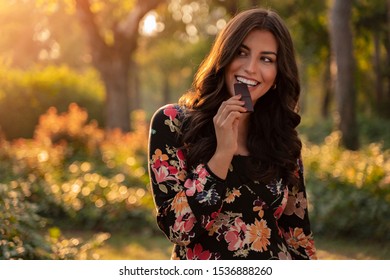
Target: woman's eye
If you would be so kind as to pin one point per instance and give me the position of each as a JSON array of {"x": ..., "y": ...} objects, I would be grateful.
[
  {"x": 266, "y": 59},
  {"x": 241, "y": 53}
]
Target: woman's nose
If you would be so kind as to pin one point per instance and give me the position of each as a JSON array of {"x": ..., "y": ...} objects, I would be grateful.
[{"x": 250, "y": 65}]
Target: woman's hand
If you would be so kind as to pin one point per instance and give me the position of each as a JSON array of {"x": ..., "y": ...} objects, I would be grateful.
[{"x": 226, "y": 129}]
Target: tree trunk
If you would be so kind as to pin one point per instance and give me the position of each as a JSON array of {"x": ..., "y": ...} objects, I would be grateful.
[
  {"x": 378, "y": 73},
  {"x": 329, "y": 87},
  {"x": 386, "y": 103},
  {"x": 134, "y": 87},
  {"x": 113, "y": 60},
  {"x": 342, "y": 46},
  {"x": 114, "y": 74}
]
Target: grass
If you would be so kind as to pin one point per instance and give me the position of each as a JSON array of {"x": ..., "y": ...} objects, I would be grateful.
[
  {"x": 342, "y": 249},
  {"x": 146, "y": 246}
]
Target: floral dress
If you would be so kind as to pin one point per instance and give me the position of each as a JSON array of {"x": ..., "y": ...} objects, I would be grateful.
[{"x": 209, "y": 218}]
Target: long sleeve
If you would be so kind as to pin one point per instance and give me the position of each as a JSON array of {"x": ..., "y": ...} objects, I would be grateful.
[
  {"x": 294, "y": 221},
  {"x": 187, "y": 201}
]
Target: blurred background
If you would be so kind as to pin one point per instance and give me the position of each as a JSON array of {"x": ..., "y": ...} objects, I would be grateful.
[{"x": 80, "y": 80}]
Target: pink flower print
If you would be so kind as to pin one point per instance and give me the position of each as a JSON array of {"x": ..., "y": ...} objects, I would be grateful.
[
  {"x": 196, "y": 184},
  {"x": 197, "y": 253},
  {"x": 184, "y": 223},
  {"x": 236, "y": 236},
  {"x": 296, "y": 204},
  {"x": 283, "y": 254},
  {"x": 161, "y": 174}
]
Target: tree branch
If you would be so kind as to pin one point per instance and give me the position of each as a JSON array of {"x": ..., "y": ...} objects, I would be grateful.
[{"x": 129, "y": 26}]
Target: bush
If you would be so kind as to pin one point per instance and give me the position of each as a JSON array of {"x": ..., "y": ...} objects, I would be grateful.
[
  {"x": 22, "y": 231},
  {"x": 81, "y": 176},
  {"x": 25, "y": 95},
  {"x": 371, "y": 130},
  {"x": 349, "y": 191}
]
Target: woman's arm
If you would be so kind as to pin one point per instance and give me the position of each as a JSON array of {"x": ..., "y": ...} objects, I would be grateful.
[
  {"x": 294, "y": 222},
  {"x": 187, "y": 201}
]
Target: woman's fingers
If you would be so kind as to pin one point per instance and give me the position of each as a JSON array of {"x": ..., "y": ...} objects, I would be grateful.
[
  {"x": 226, "y": 124},
  {"x": 234, "y": 104}
]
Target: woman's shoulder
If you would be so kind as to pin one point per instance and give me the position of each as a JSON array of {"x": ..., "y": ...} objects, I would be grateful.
[
  {"x": 170, "y": 111},
  {"x": 169, "y": 116}
]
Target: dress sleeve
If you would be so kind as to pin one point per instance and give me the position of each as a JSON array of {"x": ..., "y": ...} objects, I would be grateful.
[
  {"x": 294, "y": 222},
  {"x": 187, "y": 202}
]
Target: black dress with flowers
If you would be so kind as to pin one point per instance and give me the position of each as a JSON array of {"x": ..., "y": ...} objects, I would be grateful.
[{"x": 209, "y": 218}]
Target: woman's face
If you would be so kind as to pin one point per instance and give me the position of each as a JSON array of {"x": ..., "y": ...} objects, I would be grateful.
[{"x": 254, "y": 64}]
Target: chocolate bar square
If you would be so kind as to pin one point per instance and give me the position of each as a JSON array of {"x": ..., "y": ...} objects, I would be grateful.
[{"x": 240, "y": 88}]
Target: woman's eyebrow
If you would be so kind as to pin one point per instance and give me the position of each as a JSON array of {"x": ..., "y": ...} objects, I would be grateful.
[
  {"x": 269, "y": 52},
  {"x": 264, "y": 52}
]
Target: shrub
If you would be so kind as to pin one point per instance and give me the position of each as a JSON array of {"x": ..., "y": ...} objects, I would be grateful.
[
  {"x": 81, "y": 176},
  {"x": 349, "y": 191},
  {"x": 22, "y": 231},
  {"x": 25, "y": 95}
]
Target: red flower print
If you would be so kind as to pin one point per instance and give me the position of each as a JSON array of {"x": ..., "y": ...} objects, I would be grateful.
[
  {"x": 311, "y": 249},
  {"x": 197, "y": 253},
  {"x": 279, "y": 211},
  {"x": 171, "y": 112}
]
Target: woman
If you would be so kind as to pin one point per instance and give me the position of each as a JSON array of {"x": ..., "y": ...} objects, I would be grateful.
[{"x": 228, "y": 184}]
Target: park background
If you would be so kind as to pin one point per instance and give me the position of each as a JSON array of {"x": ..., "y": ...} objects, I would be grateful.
[{"x": 80, "y": 80}]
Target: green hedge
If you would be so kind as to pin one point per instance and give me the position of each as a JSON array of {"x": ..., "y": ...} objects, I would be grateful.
[{"x": 26, "y": 95}]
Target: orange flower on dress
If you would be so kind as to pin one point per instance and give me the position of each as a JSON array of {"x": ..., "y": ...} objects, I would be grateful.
[
  {"x": 259, "y": 234},
  {"x": 311, "y": 249},
  {"x": 297, "y": 238},
  {"x": 231, "y": 195},
  {"x": 180, "y": 204},
  {"x": 158, "y": 155}
]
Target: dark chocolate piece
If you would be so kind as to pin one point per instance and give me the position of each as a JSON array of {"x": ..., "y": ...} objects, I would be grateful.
[{"x": 240, "y": 88}]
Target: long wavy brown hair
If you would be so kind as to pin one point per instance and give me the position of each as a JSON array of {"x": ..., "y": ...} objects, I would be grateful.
[{"x": 273, "y": 141}]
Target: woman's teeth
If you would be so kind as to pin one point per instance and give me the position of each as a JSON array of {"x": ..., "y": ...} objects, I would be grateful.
[{"x": 250, "y": 83}]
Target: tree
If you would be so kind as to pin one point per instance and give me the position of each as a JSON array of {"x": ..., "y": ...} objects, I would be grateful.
[
  {"x": 342, "y": 47},
  {"x": 372, "y": 24},
  {"x": 112, "y": 56}
]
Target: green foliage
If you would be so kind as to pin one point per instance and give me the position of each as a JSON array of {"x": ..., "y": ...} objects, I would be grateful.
[
  {"x": 23, "y": 234},
  {"x": 371, "y": 130},
  {"x": 374, "y": 130},
  {"x": 349, "y": 191},
  {"x": 25, "y": 95},
  {"x": 82, "y": 176}
]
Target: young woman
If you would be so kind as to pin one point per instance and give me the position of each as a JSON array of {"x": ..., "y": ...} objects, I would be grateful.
[{"x": 228, "y": 183}]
